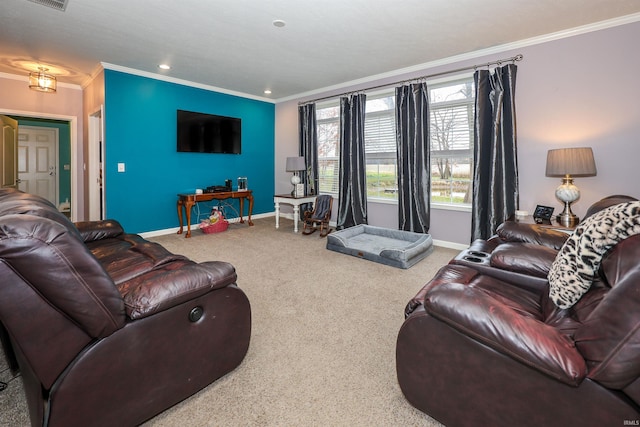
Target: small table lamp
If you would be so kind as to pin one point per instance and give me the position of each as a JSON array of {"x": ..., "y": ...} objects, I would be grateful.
[
  {"x": 295, "y": 165},
  {"x": 568, "y": 163}
]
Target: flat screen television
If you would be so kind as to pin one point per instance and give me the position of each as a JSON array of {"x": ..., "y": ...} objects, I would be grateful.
[{"x": 208, "y": 133}]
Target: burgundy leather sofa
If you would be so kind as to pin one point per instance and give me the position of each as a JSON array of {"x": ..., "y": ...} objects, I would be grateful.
[
  {"x": 482, "y": 345},
  {"x": 107, "y": 328}
]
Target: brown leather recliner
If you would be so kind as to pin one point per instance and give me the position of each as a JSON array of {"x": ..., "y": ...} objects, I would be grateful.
[
  {"x": 476, "y": 349},
  {"x": 527, "y": 250},
  {"x": 108, "y": 328}
]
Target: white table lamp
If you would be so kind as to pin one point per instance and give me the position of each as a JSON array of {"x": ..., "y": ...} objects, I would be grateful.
[
  {"x": 568, "y": 163},
  {"x": 295, "y": 165}
]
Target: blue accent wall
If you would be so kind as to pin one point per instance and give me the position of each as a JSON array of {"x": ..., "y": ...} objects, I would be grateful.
[{"x": 140, "y": 131}]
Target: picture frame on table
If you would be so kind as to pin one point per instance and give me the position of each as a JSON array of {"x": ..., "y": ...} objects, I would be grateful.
[{"x": 543, "y": 214}]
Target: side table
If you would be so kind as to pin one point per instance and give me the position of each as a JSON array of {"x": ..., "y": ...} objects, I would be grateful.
[
  {"x": 551, "y": 224},
  {"x": 295, "y": 202}
]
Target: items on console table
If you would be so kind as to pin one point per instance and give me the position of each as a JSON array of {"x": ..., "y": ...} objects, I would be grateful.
[
  {"x": 188, "y": 200},
  {"x": 295, "y": 202},
  {"x": 551, "y": 223}
]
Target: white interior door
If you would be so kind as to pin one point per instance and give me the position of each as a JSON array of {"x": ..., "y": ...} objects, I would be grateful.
[{"x": 37, "y": 162}]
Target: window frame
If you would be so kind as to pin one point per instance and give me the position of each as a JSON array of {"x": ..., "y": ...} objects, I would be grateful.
[
  {"x": 332, "y": 103},
  {"x": 372, "y": 96},
  {"x": 432, "y": 84},
  {"x": 446, "y": 81}
]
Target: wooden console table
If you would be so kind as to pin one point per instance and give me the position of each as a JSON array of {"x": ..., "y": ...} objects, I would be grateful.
[{"x": 188, "y": 200}]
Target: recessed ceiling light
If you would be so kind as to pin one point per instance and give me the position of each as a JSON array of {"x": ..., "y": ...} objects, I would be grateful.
[
  {"x": 267, "y": 92},
  {"x": 279, "y": 23},
  {"x": 164, "y": 66}
]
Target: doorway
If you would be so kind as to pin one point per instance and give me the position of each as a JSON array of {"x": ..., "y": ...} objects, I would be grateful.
[
  {"x": 69, "y": 143},
  {"x": 95, "y": 166},
  {"x": 38, "y": 149}
]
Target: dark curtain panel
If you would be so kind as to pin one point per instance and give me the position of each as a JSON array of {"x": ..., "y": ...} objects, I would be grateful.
[
  {"x": 309, "y": 147},
  {"x": 352, "y": 197},
  {"x": 412, "y": 137},
  {"x": 495, "y": 178}
]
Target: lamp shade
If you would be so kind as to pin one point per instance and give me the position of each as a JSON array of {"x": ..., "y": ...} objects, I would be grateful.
[
  {"x": 295, "y": 164},
  {"x": 571, "y": 161}
]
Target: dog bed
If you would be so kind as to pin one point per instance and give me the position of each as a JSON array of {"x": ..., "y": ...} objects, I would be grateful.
[{"x": 396, "y": 248}]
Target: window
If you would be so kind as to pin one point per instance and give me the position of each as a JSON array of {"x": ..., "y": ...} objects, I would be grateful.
[
  {"x": 451, "y": 122},
  {"x": 451, "y": 144},
  {"x": 380, "y": 147},
  {"x": 328, "y": 131}
]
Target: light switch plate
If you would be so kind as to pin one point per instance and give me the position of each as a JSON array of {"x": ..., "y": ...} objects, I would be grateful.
[{"x": 120, "y": 167}]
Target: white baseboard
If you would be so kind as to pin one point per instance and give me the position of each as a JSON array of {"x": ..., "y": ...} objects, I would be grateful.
[
  {"x": 450, "y": 245},
  {"x": 174, "y": 230},
  {"x": 441, "y": 243}
]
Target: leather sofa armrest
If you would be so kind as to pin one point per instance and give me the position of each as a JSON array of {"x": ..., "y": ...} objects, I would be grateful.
[
  {"x": 487, "y": 319},
  {"x": 526, "y": 258},
  {"x": 98, "y": 230},
  {"x": 173, "y": 283},
  {"x": 446, "y": 274},
  {"x": 511, "y": 231}
]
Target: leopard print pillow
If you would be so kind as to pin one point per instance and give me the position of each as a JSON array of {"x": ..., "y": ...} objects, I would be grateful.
[{"x": 578, "y": 261}]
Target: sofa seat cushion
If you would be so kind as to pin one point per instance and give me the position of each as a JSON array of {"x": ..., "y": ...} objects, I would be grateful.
[
  {"x": 129, "y": 256},
  {"x": 149, "y": 277},
  {"x": 507, "y": 319}
]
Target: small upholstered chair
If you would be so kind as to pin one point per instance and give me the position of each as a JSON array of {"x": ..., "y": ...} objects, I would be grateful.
[{"x": 318, "y": 218}]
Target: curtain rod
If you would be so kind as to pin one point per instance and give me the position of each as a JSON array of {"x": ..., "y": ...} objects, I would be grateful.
[{"x": 513, "y": 59}]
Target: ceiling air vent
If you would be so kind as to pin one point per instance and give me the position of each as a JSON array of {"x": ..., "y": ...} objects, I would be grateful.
[{"x": 54, "y": 4}]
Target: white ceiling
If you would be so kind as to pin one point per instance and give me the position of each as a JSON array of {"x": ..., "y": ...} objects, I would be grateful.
[{"x": 233, "y": 44}]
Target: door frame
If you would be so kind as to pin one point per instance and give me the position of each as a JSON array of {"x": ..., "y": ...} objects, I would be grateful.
[
  {"x": 73, "y": 129},
  {"x": 95, "y": 167}
]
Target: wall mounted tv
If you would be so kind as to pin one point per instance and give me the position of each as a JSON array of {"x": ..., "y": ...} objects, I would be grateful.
[{"x": 207, "y": 133}]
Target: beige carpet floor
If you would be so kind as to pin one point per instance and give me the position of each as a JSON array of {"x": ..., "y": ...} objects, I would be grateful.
[{"x": 324, "y": 328}]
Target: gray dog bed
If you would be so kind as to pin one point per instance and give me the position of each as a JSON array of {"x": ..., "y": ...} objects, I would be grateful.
[{"x": 396, "y": 248}]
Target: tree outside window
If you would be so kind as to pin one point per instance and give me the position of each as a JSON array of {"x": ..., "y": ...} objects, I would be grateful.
[{"x": 451, "y": 144}]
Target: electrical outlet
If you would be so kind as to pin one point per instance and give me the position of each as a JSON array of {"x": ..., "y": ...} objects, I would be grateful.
[{"x": 120, "y": 167}]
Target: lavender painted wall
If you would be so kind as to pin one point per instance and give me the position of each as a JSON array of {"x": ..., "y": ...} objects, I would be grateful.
[
  {"x": 581, "y": 91},
  {"x": 66, "y": 104},
  {"x": 571, "y": 92}
]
